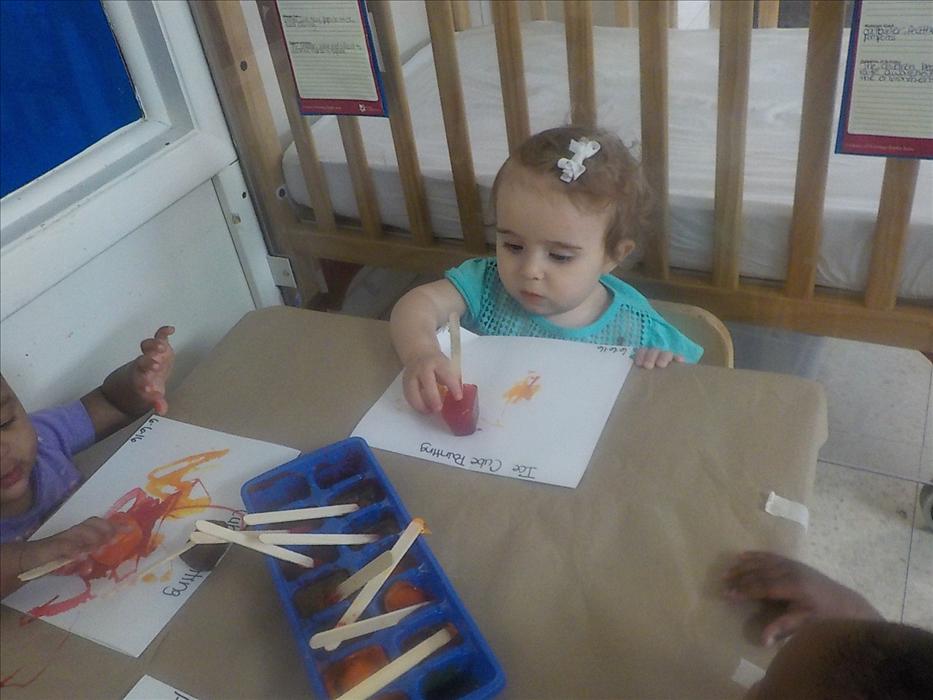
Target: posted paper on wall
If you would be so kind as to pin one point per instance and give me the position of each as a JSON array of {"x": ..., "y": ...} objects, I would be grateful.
[
  {"x": 887, "y": 100},
  {"x": 164, "y": 478},
  {"x": 543, "y": 405}
]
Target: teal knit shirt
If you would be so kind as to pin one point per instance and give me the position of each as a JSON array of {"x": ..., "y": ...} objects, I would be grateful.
[{"x": 629, "y": 320}]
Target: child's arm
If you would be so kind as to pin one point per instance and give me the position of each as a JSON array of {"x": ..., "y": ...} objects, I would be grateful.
[
  {"x": 806, "y": 594},
  {"x": 131, "y": 390},
  {"x": 415, "y": 320},
  {"x": 17, "y": 557}
]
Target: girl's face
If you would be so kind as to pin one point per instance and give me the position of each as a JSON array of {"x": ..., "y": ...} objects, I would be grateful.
[
  {"x": 18, "y": 448},
  {"x": 550, "y": 253}
]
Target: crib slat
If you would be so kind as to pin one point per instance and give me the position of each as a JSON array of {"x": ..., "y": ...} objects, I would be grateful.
[
  {"x": 735, "y": 40},
  {"x": 816, "y": 134},
  {"x": 441, "y": 27},
  {"x": 400, "y": 122},
  {"x": 360, "y": 176},
  {"x": 511, "y": 72},
  {"x": 891, "y": 228},
  {"x": 578, "y": 25},
  {"x": 715, "y": 13},
  {"x": 625, "y": 13},
  {"x": 538, "y": 9},
  {"x": 652, "y": 56},
  {"x": 461, "y": 9},
  {"x": 315, "y": 180},
  {"x": 768, "y": 11}
]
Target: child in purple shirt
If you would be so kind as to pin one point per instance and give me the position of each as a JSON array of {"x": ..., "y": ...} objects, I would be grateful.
[{"x": 37, "y": 473}]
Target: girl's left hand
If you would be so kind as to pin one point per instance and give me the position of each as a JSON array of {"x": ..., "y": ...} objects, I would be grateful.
[
  {"x": 151, "y": 370},
  {"x": 649, "y": 358}
]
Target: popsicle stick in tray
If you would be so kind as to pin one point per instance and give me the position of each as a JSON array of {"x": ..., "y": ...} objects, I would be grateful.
[
  {"x": 395, "y": 669},
  {"x": 313, "y": 538},
  {"x": 251, "y": 541},
  {"x": 384, "y": 561},
  {"x": 365, "y": 597},
  {"x": 287, "y": 516},
  {"x": 361, "y": 627}
]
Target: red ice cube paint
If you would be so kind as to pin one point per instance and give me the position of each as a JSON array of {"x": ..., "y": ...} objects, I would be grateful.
[{"x": 461, "y": 416}]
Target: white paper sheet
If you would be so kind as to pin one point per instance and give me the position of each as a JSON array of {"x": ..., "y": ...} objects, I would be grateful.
[
  {"x": 165, "y": 477},
  {"x": 148, "y": 688},
  {"x": 543, "y": 405}
]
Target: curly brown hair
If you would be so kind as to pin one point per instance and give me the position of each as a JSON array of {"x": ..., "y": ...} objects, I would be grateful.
[{"x": 613, "y": 178}]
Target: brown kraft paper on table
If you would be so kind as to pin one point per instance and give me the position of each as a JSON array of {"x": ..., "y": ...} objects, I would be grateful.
[{"x": 608, "y": 590}]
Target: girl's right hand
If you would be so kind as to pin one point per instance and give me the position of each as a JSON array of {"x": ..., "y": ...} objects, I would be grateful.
[{"x": 420, "y": 381}]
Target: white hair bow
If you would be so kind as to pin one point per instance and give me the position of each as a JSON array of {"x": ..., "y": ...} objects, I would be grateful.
[{"x": 573, "y": 167}]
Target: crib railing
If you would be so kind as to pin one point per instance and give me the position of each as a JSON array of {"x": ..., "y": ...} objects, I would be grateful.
[{"x": 874, "y": 315}]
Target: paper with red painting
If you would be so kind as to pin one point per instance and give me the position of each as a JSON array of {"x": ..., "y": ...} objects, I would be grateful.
[
  {"x": 167, "y": 476},
  {"x": 542, "y": 407}
]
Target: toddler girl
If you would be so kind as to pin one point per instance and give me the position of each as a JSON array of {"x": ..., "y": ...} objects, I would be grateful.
[
  {"x": 568, "y": 205},
  {"x": 36, "y": 469}
]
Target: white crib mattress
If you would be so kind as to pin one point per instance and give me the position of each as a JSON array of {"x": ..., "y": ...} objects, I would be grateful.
[{"x": 775, "y": 95}]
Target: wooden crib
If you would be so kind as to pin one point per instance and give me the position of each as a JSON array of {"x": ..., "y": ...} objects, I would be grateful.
[{"x": 874, "y": 314}]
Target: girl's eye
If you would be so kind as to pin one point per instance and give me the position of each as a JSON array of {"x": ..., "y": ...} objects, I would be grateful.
[
  {"x": 512, "y": 247},
  {"x": 6, "y": 424},
  {"x": 558, "y": 257}
]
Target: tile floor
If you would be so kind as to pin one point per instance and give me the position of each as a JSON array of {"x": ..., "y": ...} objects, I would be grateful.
[{"x": 866, "y": 526}]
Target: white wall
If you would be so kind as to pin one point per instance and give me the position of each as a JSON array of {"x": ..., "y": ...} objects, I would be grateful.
[
  {"x": 84, "y": 282},
  {"x": 179, "y": 268}
]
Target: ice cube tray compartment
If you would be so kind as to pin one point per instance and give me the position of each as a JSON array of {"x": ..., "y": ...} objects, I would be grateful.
[{"x": 348, "y": 472}]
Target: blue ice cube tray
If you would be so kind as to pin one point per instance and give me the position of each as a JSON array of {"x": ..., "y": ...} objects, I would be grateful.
[{"x": 348, "y": 472}]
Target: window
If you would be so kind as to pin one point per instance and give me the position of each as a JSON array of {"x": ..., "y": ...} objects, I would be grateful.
[{"x": 63, "y": 85}]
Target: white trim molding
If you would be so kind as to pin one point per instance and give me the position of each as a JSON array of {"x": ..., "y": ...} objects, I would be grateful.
[{"x": 54, "y": 225}]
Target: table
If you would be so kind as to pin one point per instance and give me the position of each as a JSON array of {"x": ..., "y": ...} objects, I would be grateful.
[{"x": 607, "y": 590}]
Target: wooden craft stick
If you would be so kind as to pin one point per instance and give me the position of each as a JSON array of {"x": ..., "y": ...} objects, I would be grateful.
[
  {"x": 314, "y": 538},
  {"x": 252, "y": 542},
  {"x": 165, "y": 560},
  {"x": 287, "y": 516},
  {"x": 365, "y": 597},
  {"x": 455, "y": 352},
  {"x": 46, "y": 568},
  {"x": 384, "y": 561},
  {"x": 394, "y": 669},
  {"x": 361, "y": 627},
  {"x": 204, "y": 538}
]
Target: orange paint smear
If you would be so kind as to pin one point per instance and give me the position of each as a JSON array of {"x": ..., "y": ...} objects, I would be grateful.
[{"x": 523, "y": 390}]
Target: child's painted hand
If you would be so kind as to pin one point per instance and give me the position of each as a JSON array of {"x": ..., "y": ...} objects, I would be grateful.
[
  {"x": 151, "y": 370},
  {"x": 420, "y": 381},
  {"x": 805, "y": 592},
  {"x": 649, "y": 358},
  {"x": 79, "y": 539}
]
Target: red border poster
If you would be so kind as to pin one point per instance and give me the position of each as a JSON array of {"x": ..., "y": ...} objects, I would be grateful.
[
  {"x": 887, "y": 99},
  {"x": 332, "y": 57}
]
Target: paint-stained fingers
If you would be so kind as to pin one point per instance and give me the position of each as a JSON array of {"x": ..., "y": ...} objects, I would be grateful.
[
  {"x": 785, "y": 625},
  {"x": 446, "y": 376}
]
